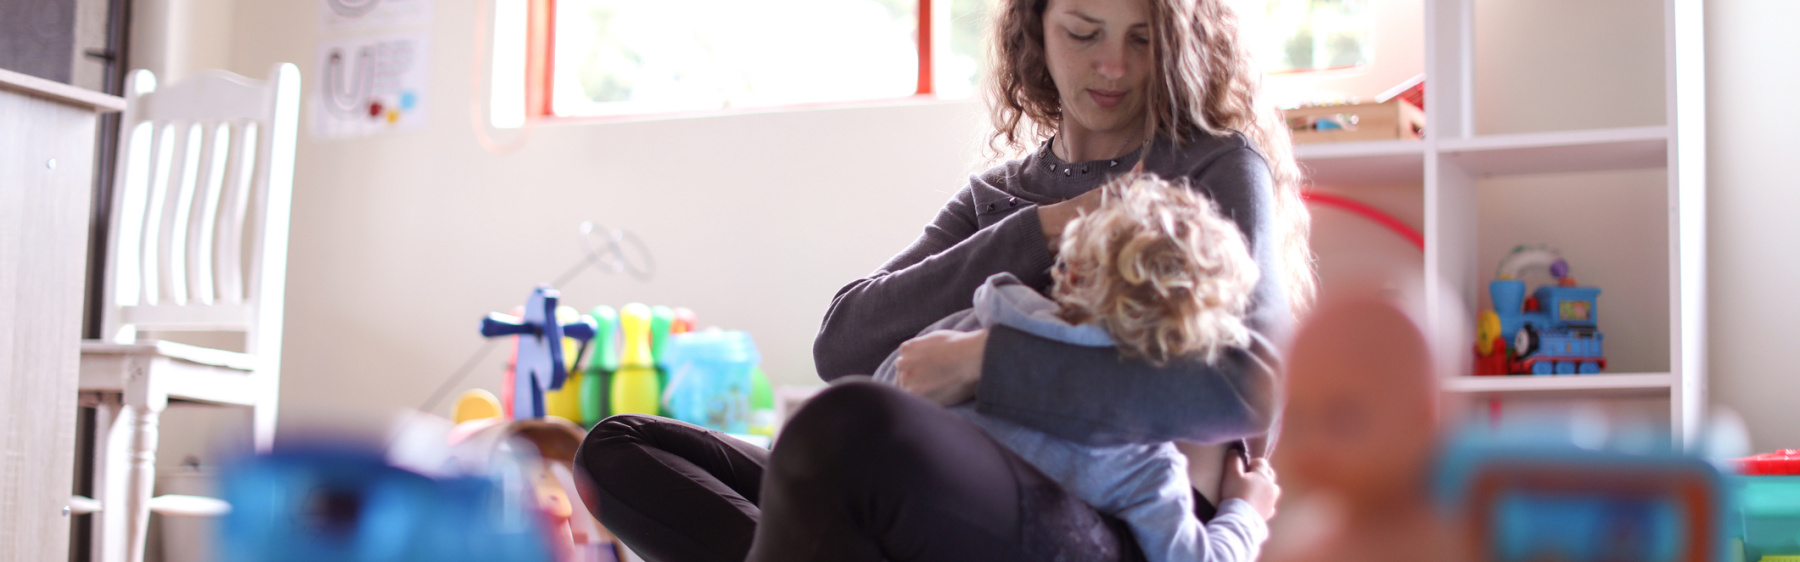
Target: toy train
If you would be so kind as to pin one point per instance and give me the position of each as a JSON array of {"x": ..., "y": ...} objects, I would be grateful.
[{"x": 1554, "y": 332}]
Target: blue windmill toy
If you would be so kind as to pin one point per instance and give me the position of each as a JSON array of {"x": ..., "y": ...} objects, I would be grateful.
[{"x": 540, "y": 367}]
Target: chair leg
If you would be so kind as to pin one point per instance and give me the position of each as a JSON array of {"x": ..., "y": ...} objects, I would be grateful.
[
  {"x": 262, "y": 423},
  {"x": 112, "y": 440},
  {"x": 142, "y": 477}
]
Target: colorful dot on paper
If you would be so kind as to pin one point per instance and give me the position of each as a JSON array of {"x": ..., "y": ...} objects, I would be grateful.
[{"x": 393, "y": 116}]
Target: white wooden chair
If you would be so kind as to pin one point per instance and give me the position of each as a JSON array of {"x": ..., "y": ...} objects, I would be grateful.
[{"x": 198, "y": 242}]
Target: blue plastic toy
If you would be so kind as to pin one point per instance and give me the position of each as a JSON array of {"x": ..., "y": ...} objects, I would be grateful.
[
  {"x": 540, "y": 367},
  {"x": 709, "y": 379},
  {"x": 1556, "y": 331},
  {"x": 1542, "y": 502},
  {"x": 348, "y": 505}
]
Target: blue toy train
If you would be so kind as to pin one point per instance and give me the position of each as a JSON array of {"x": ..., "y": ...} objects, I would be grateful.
[{"x": 1555, "y": 332}]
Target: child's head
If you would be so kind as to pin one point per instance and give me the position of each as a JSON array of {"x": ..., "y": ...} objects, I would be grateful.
[{"x": 1160, "y": 269}]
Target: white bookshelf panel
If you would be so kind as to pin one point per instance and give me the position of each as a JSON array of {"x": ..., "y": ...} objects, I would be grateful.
[
  {"x": 1367, "y": 163},
  {"x": 1564, "y": 385},
  {"x": 1564, "y": 151}
]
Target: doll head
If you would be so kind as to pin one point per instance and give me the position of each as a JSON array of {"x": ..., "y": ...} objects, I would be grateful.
[
  {"x": 1159, "y": 268},
  {"x": 1361, "y": 416}
]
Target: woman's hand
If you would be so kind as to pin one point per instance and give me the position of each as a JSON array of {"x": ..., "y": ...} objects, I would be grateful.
[
  {"x": 1254, "y": 484},
  {"x": 943, "y": 366},
  {"x": 1056, "y": 216}
]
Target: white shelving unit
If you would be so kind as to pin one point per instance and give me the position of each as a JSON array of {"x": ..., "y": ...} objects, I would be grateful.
[{"x": 1454, "y": 158}]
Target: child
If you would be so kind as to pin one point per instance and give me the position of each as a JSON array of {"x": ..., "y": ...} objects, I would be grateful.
[{"x": 1157, "y": 272}]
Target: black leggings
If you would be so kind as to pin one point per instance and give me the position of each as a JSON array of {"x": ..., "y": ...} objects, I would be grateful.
[{"x": 863, "y": 472}]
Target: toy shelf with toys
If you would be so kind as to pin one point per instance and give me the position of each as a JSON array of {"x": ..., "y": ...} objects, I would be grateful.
[{"x": 1575, "y": 127}]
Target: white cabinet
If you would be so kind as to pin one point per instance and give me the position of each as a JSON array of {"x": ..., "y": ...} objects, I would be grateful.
[{"x": 1578, "y": 125}]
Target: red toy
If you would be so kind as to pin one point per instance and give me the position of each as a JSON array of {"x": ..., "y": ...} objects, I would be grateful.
[{"x": 1785, "y": 462}]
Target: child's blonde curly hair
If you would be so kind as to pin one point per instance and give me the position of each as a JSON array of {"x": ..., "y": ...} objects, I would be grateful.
[{"x": 1160, "y": 269}]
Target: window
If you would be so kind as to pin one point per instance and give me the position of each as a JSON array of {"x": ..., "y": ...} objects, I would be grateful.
[
  {"x": 574, "y": 58},
  {"x": 1309, "y": 35},
  {"x": 657, "y": 56},
  {"x": 617, "y": 57}
]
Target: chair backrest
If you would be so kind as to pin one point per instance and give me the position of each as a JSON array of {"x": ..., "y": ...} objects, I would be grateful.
[{"x": 199, "y": 226}]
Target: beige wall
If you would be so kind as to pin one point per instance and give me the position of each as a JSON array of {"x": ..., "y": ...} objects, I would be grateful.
[{"x": 401, "y": 241}]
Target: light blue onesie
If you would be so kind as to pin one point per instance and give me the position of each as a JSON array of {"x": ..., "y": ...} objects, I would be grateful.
[{"x": 1144, "y": 485}]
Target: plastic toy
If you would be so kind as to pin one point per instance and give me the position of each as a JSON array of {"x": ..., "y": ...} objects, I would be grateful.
[
  {"x": 1785, "y": 462},
  {"x": 509, "y": 380},
  {"x": 534, "y": 459},
  {"x": 1554, "y": 332},
  {"x": 539, "y": 367},
  {"x": 762, "y": 404},
  {"x": 349, "y": 505},
  {"x": 1541, "y": 502},
  {"x": 603, "y": 359},
  {"x": 565, "y": 402},
  {"x": 635, "y": 389},
  {"x": 709, "y": 379},
  {"x": 1360, "y": 357},
  {"x": 477, "y": 404},
  {"x": 684, "y": 322},
  {"x": 662, "y": 318},
  {"x": 1767, "y": 521}
]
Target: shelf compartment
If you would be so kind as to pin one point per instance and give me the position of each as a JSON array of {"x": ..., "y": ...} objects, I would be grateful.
[
  {"x": 1363, "y": 163},
  {"x": 1629, "y": 148},
  {"x": 1563, "y": 385}
]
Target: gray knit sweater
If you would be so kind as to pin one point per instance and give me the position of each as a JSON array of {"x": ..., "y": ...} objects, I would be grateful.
[
  {"x": 1087, "y": 395},
  {"x": 1144, "y": 485}
]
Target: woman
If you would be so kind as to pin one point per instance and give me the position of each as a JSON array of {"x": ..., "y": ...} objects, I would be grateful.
[{"x": 865, "y": 472}]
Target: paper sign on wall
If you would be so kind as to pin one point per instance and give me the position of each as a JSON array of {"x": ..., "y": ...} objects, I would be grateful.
[{"x": 371, "y": 85}]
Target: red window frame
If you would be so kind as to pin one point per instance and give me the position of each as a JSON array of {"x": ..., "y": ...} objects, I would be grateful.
[{"x": 540, "y": 66}]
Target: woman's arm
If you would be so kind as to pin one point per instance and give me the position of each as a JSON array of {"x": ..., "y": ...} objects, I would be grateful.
[
  {"x": 1094, "y": 396},
  {"x": 936, "y": 276}
]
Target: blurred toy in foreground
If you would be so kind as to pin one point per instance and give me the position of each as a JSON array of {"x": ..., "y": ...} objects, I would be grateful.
[
  {"x": 1553, "y": 332},
  {"x": 540, "y": 366},
  {"x": 1532, "y": 500},
  {"x": 1361, "y": 450},
  {"x": 350, "y": 505},
  {"x": 1766, "y": 521},
  {"x": 1358, "y": 438},
  {"x": 536, "y": 457}
]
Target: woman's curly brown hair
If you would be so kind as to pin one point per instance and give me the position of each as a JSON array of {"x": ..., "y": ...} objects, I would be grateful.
[
  {"x": 1204, "y": 82},
  {"x": 1160, "y": 269}
]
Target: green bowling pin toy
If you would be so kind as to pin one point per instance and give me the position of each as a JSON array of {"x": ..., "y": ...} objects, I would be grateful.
[{"x": 603, "y": 360}]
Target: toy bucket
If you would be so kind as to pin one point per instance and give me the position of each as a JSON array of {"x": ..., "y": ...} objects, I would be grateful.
[{"x": 710, "y": 380}]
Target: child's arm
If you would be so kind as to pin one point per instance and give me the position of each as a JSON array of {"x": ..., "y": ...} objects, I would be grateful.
[
  {"x": 1238, "y": 530},
  {"x": 1253, "y": 484}
]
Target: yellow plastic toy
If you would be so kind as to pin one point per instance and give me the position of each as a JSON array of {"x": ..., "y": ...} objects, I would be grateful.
[
  {"x": 1487, "y": 332},
  {"x": 635, "y": 389},
  {"x": 477, "y": 404},
  {"x": 565, "y": 402}
]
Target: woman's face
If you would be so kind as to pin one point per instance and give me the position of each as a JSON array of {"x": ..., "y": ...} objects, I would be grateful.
[{"x": 1098, "y": 52}]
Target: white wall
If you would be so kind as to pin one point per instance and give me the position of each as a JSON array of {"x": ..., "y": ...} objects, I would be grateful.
[
  {"x": 1752, "y": 200},
  {"x": 401, "y": 242}
]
